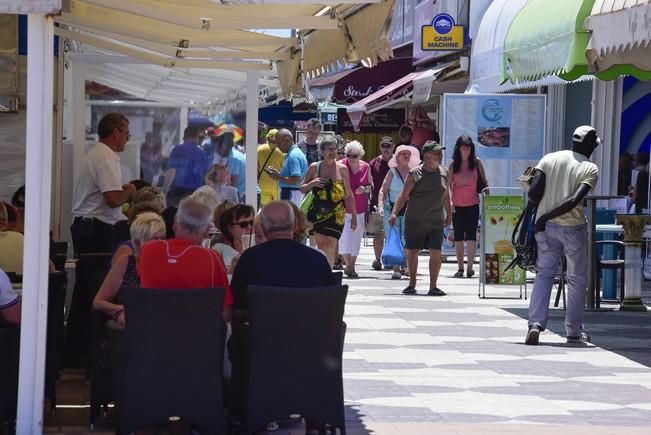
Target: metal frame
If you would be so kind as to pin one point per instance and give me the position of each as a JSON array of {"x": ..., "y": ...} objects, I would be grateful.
[{"x": 482, "y": 273}]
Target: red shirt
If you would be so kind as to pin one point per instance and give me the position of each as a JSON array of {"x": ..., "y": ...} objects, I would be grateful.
[
  {"x": 179, "y": 263},
  {"x": 379, "y": 169}
]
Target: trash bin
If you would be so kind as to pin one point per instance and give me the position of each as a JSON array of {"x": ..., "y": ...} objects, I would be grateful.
[{"x": 607, "y": 230}]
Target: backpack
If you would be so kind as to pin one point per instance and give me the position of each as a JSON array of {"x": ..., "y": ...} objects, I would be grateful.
[{"x": 524, "y": 241}]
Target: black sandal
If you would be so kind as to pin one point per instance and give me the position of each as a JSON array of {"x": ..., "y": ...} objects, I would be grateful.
[
  {"x": 459, "y": 274},
  {"x": 470, "y": 273}
]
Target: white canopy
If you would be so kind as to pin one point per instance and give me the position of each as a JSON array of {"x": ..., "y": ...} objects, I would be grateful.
[{"x": 621, "y": 34}]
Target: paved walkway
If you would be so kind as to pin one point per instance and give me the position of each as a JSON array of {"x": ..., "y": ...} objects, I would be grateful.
[{"x": 457, "y": 364}]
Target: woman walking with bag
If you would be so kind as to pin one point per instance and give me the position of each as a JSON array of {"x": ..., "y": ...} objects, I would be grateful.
[
  {"x": 467, "y": 180},
  {"x": 361, "y": 185},
  {"x": 404, "y": 160},
  {"x": 329, "y": 182}
]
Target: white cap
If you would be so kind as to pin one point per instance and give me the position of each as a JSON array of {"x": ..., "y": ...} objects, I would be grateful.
[{"x": 581, "y": 132}]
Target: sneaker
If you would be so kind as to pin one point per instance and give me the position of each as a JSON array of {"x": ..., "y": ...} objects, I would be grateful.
[
  {"x": 396, "y": 274},
  {"x": 377, "y": 264},
  {"x": 578, "y": 339},
  {"x": 409, "y": 290},
  {"x": 436, "y": 292},
  {"x": 459, "y": 274},
  {"x": 533, "y": 336}
]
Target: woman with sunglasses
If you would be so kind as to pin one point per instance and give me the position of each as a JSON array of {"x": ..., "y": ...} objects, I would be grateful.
[
  {"x": 361, "y": 184},
  {"x": 329, "y": 181},
  {"x": 234, "y": 223},
  {"x": 466, "y": 177}
]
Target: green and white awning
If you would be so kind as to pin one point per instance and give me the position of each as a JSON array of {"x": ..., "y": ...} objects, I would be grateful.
[{"x": 547, "y": 38}]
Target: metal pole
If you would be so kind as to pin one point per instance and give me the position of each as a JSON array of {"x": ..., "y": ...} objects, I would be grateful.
[
  {"x": 252, "y": 91},
  {"x": 592, "y": 219},
  {"x": 38, "y": 156}
]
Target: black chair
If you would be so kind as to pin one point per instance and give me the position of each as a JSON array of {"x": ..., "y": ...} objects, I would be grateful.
[
  {"x": 339, "y": 275},
  {"x": 295, "y": 355},
  {"x": 15, "y": 278},
  {"x": 614, "y": 264},
  {"x": 9, "y": 347},
  {"x": 57, "y": 285},
  {"x": 59, "y": 248},
  {"x": 90, "y": 271},
  {"x": 173, "y": 358}
]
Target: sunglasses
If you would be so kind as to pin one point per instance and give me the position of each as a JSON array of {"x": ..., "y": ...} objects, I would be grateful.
[
  {"x": 352, "y": 156},
  {"x": 243, "y": 224},
  {"x": 386, "y": 145}
]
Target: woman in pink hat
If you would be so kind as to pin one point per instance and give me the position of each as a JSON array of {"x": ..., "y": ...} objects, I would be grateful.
[{"x": 405, "y": 158}]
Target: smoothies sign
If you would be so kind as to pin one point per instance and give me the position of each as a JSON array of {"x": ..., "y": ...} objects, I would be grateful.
[{"x": 501, "y": 213}]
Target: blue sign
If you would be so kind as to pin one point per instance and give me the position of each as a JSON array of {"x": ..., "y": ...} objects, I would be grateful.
[{"x": 443, "y": 23}]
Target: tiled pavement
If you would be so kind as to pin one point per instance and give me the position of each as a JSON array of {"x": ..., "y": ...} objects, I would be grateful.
[{"x": 458, "y": 365}]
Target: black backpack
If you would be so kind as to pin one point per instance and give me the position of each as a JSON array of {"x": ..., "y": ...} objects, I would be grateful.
[{"x": 524, "y": 241}]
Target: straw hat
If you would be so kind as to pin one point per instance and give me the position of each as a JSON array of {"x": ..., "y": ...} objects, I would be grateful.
[{"x": 414, "y": 159}]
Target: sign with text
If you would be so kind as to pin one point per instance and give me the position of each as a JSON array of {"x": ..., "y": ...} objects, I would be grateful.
[
  {"x": 385, "y": 121},
  {"x": 508, "y": 131},
  {"x": 442, "y": 34},
  {"x": 500, "y": 215}
]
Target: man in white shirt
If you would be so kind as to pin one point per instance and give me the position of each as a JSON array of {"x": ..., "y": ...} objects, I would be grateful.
[
  {"x": 561, "y": 181},
  {"x": 99, "y": 192}
]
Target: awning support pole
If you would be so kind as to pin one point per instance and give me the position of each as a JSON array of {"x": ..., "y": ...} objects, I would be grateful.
[
  {"x": 252, "y": 105},
  {"x": 38, "y": 176}
]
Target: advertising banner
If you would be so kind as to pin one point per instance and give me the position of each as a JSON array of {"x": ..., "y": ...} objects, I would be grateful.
[
  {"x": 508, "y": 131},
  {"x": 501, "y": 213}
]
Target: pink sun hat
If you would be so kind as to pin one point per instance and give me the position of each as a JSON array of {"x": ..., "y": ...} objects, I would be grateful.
[{"x": 414, "y": 159}]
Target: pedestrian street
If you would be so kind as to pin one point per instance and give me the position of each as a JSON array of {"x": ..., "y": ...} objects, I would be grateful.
[{"x": 457, "y": 364}]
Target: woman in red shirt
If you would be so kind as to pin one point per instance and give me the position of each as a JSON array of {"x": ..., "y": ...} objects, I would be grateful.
[{"x": 466, "y": 175}]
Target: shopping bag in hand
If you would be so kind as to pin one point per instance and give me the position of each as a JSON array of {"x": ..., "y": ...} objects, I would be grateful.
[{"x": 393, "y": 254}]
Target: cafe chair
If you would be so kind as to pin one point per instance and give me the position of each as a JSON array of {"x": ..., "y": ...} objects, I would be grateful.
[
  {"x": 57, "y": 287},
  {"x": 172, "y": 358},
  {"x": 9, "y": 348},
  {"x": 613, "y": 264},
  {"x": 90, "y": 271},
  {"x": 295, "y": 355}
]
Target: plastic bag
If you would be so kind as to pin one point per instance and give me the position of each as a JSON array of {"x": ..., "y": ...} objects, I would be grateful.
[
  {"x": 393, "y": 254},
  {"x": 306, "y": 201}
]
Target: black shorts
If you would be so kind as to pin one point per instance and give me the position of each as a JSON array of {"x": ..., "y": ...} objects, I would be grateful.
[
  {"x": 464, "y": 221},
  {"x": 420, "y": 235}
]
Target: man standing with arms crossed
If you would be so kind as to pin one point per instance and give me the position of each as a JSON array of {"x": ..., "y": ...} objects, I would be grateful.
[
  {"x": 99, "y": 192},
  {"x": 561, "y": 181}
]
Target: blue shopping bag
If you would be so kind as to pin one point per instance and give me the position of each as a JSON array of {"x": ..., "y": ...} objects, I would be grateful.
[{"x": 393, "y": 254}]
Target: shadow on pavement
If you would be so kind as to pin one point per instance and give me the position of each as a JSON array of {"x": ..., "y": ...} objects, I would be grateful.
[{"x": 623, "y": 332}]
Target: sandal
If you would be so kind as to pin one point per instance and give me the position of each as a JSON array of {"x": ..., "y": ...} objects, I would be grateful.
[
  {"x": 470, "y": 273},
  {"x": 459, "y": 273}
]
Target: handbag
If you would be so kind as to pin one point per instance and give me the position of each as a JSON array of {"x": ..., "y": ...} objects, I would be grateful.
[
  {"x": 306, "y": 202},
  {"x": 393, "y": 253},
  {"x": 526, "y": 178}
]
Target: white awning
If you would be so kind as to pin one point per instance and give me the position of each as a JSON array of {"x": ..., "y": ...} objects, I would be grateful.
[
  {"x": 488, "y": 46},
  {"x": 621, "y": 34},
  {"x": 30, "y": 6},
  {"x": 363, "y": 36}
]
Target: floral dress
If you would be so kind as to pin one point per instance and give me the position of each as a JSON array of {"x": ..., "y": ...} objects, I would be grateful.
[{"x": 327, "y": 212}]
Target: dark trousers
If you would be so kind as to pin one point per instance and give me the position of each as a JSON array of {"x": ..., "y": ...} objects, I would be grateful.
[
  {"x": 91, "y": 235},
  {"x": 176, "y": 194}
]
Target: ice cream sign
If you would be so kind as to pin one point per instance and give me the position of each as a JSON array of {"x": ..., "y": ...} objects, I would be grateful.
[{"x": 442, "y": 35}]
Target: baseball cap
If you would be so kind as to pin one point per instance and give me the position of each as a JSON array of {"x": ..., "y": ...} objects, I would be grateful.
[
  {"x": 386, "y": 139},
  {"x": 432, "y": 145},
  {"x": 271, "y": 133},
  {"x": 582, "y": 131}
]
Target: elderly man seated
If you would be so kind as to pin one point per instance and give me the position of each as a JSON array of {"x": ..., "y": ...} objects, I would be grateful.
[
  {"x": 280, "y": 261},
  {"x": 181, "y": 262}
]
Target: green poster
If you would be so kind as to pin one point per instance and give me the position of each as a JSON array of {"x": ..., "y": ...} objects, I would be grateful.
[{"x": 501, "y": 213}]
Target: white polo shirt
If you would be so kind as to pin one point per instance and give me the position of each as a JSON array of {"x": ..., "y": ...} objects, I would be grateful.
[{"x": 100, "y": 173}]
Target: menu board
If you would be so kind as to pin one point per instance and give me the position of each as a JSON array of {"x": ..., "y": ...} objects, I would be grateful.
[{"x": 508, "y": 131}]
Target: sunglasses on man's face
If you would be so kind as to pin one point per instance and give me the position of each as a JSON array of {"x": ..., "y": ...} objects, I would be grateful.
[
  {"x": 243, "y": 224},
  {"x": 386, "y": 145}
]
